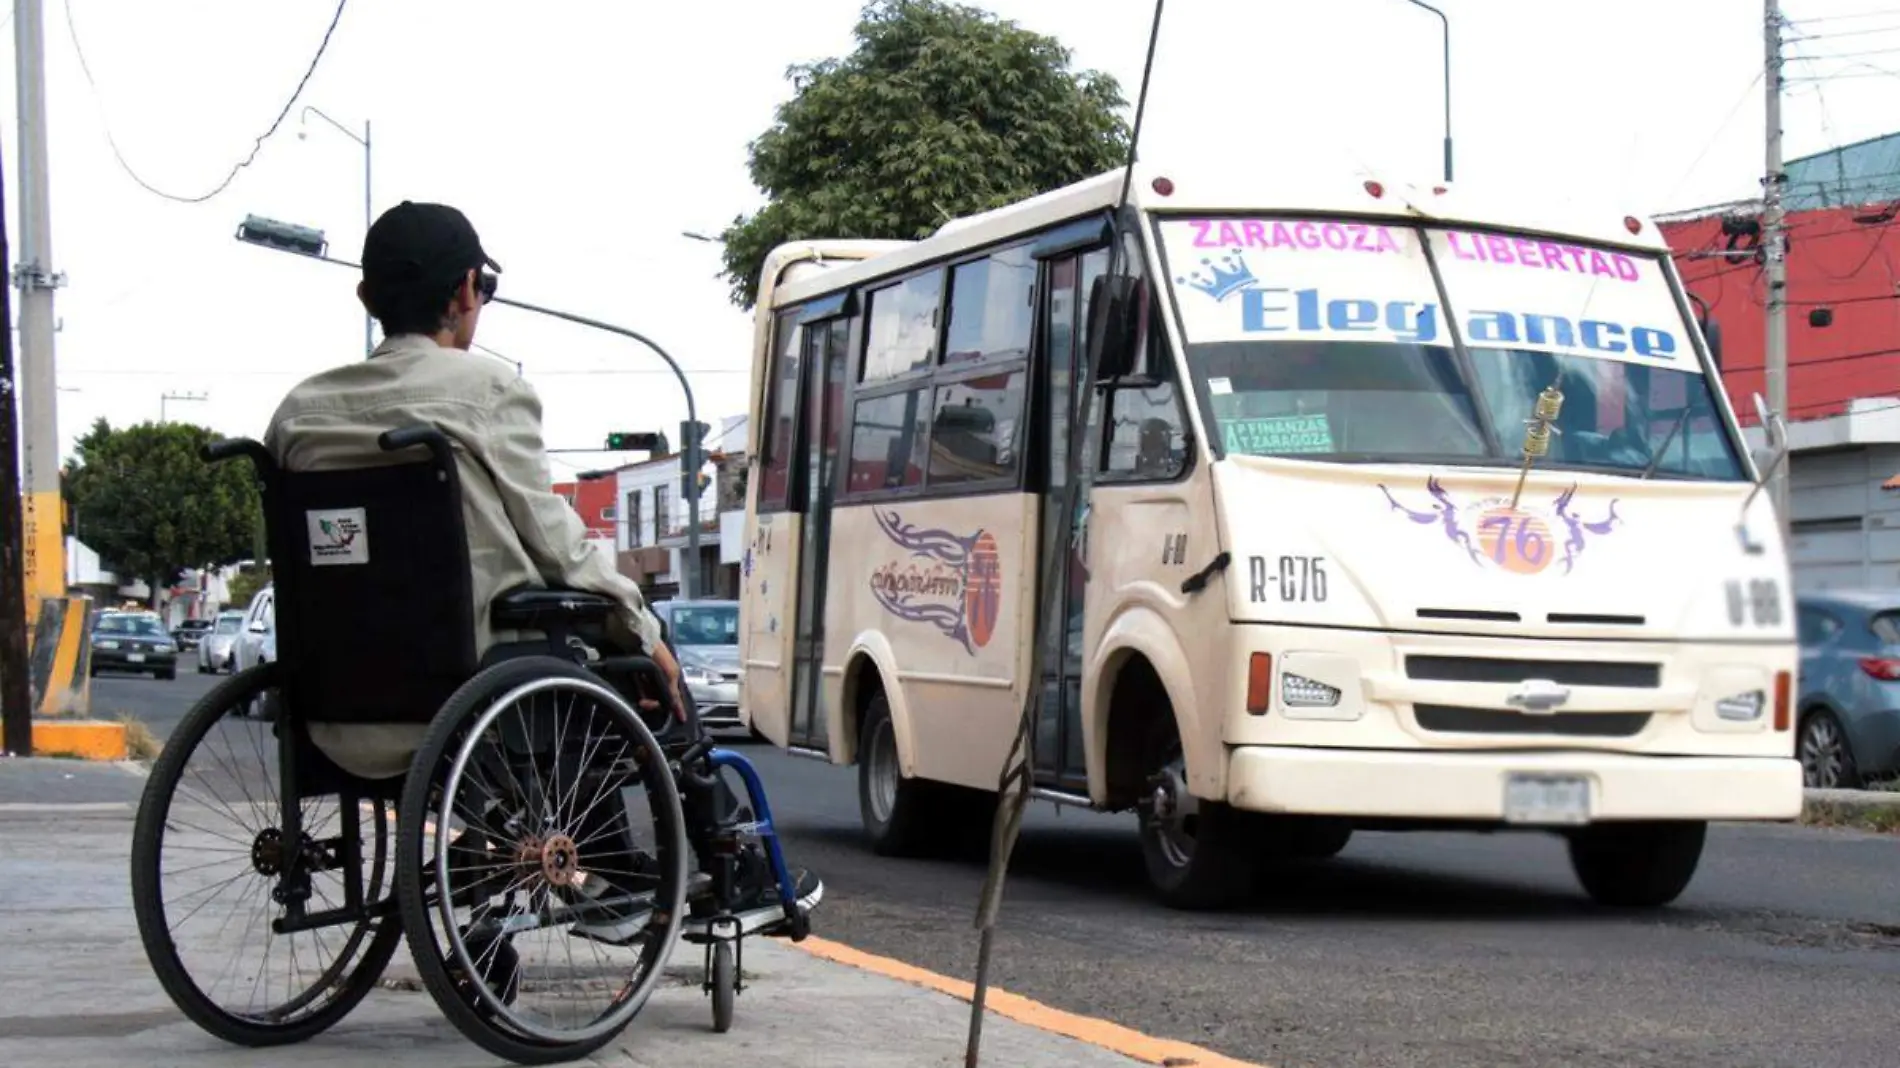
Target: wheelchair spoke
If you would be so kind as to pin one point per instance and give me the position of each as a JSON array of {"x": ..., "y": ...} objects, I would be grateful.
[
  {"x": 217, "y": 912},
  {"x": 548, "y": 780}
]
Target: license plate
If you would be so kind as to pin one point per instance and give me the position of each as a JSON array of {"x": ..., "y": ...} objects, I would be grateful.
[
  {"x": 136, "y": 658},
  {"x": 1546, "y": 799}
]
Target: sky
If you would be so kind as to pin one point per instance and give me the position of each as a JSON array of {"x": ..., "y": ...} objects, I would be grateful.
[{"x": 582, "y": 137}]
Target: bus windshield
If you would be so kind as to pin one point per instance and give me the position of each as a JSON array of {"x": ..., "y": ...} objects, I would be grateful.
[{"x": 1330, "y": 340}]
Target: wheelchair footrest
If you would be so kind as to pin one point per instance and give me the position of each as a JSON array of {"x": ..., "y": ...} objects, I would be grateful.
[{"x": 766, "y": 919}]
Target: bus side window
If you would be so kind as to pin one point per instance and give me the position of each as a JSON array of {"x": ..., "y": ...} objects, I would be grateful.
[
  {"x": 778, "y": 437},
  {"x": 1147, "y": 429}
]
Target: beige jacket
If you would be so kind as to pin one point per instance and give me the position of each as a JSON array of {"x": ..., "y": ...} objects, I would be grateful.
[{"x": 519, "y": 530}]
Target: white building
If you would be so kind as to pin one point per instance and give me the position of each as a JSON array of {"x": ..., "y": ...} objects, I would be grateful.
[
  {"x": 1845, "y": 522},
  {"x": 651, "y": 517}
]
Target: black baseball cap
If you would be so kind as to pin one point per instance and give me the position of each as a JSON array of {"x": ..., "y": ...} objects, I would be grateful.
[{"x": 424, "y": 246}]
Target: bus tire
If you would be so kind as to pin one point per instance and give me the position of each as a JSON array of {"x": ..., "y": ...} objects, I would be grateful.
[
  {"x": 891, "y": 806},
  {"x": 1637, "y": 865},
  {"x": 1199, "y": 854},
  {"x": 1305, "y": 837}
]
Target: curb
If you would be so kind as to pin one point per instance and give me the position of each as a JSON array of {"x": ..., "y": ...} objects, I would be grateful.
[
  {"x": 1868, "y": 810},
  {"x": 88, "y": 739}
]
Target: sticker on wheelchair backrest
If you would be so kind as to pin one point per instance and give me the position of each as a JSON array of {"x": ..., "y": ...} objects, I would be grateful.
[{"x": 338, "y": 536}]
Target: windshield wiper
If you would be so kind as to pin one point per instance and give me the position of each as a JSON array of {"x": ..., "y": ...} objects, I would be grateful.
[{"x": 1656, "y": 459}]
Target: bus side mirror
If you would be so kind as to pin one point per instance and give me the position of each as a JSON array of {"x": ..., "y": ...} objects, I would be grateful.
[
  {"x": 1114, "y": 324},
  {"x": 1712, "y": 331}
]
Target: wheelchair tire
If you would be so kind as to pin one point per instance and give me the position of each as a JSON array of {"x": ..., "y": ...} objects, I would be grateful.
[
  {"x": 419, "y": 891},
  {"x": 376, "y": 939},
  {"x": 725, "y": 980}
]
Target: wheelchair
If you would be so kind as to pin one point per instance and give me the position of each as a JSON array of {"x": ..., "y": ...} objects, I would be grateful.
[{"x": 534, "y": 854}]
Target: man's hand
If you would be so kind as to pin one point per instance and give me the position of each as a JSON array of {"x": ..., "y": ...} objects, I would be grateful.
[{"x": 670, "y": 667}]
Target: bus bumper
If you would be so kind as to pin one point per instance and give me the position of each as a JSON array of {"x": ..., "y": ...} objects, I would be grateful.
[{"x": 1511, "y": 787}]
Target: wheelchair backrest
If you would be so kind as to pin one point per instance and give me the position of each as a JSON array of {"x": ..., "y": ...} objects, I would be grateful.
[{"x": 374, "y": 614}]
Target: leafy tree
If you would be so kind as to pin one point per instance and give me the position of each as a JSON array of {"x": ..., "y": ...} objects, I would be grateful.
[
  {"x": 941, "y": 110},
  {"x": 245, "y": 585},
  {"x": 151, "y": 507}
]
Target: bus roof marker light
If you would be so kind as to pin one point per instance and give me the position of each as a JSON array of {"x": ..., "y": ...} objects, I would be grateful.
[
  {"x": 1632, "y": 224},
  {"x": 1375, "y": 189},
  {"x": 1164, "y": 186}
]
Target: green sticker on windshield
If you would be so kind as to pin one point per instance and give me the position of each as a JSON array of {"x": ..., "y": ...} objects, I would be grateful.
[{"x": 1278, "y": 435}]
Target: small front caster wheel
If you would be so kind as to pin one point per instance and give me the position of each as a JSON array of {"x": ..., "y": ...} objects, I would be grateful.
[{"x": 724, "y": 981}]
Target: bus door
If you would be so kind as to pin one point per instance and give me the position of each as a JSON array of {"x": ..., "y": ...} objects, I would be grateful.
[
  {"x": 1060, "y": 759},
  {"x": 827, "y": 342}
]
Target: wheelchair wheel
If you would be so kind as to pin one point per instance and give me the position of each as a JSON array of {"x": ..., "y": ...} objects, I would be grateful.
[
  {"x": 541, "y": 868},
  {"x": 208, "y": 865},
  {"x": 724, "y": 979}
]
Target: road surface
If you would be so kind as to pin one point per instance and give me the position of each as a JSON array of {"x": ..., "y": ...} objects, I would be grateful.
[{"x": 1421, "y": 951}]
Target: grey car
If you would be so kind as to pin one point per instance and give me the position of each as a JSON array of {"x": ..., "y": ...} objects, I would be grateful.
[
  {"x": 1849, "y": 704},
  {"x": 705, "y": 639}
]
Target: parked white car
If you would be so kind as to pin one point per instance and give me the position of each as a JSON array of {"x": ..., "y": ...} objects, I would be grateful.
[
  {"x": 217, "y": 650},
  {"x": 257, "y": 641}
]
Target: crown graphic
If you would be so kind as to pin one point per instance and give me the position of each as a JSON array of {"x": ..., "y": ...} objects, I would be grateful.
[{"x": 1221, "y": 278}]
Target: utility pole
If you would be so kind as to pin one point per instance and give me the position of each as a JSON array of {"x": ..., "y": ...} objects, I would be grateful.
[
  {"x": 16, "y": 689},
  {"x": 44, "y": 543},
  {"x": 1774, "y": 244}
]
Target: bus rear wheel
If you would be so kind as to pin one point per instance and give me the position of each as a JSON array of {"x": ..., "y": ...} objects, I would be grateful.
[
  {"x": 892, "y": 807},
  {"x": 1637, "y": 865},
  {"x": 1200, "y": 854}
]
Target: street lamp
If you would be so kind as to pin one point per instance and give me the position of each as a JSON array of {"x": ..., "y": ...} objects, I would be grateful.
[
  {"x": 305, "y": 242},
  {"x": 302, "y": 120},
  {"x": 1447, "y": 29},
  {"x": 697, "y": 236},
  {"x": 177, "y": 397}
]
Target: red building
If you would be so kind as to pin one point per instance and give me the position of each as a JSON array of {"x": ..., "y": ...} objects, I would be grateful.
[
  {"x": 1843, "y": 300},
  {"x": 593, "y": 500}
]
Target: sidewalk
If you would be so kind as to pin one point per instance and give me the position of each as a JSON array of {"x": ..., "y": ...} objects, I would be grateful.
[{"x": 76, "y": 991}]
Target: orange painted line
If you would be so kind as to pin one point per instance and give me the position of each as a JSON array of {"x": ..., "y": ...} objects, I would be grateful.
[{"x": 1110, "y": 1036}]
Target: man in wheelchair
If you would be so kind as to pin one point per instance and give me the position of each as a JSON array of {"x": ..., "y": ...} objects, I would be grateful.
[{"x": 426, "y": 278}]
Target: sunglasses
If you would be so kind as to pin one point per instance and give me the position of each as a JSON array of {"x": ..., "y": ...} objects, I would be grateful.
[{"x": 486, "y": 285}]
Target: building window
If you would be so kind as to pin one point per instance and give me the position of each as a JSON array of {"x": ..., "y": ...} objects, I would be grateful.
[
  {"x": 662, "y": 513},
  {"x": 633, "y": 520}
]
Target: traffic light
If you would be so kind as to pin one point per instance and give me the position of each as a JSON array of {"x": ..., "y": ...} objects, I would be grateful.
[
  {"x": 651, "y": 441},
  {"x": 257, "y": 230}
]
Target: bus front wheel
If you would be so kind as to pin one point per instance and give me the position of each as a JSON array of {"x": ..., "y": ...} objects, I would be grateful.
[
  {"x": 1637, "y": 865},
  {"x": 1199, "y": 854}
]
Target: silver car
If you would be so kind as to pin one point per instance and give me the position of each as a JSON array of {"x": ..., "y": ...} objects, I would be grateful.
[
  {"x": 217, "y": 650},
  {"x": 705, "y": 639}
]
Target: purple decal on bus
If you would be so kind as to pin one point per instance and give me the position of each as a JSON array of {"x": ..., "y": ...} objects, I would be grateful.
[{"x": 952, "y": 582}]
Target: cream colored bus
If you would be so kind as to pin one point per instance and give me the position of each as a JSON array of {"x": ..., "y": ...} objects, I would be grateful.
[{"x": 1314, "y": 585}]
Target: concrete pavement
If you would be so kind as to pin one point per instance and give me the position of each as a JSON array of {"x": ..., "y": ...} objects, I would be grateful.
[{"x": 76, "y": 990}]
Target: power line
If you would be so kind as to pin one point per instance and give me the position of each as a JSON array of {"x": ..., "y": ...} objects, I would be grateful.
[
  {"x": 256, "y": 146},
  {"x": 226, "y": 373}
]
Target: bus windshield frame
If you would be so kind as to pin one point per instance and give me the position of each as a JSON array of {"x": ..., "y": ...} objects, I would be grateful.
[{"x": 1335, "y": 339}]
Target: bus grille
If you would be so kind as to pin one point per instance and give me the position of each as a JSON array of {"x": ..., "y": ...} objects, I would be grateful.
[
  {"x": 1455, "y": 719},
  {"x": 1564, "y": 672}
]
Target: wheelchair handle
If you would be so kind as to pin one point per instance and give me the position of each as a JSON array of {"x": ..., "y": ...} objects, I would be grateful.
[
  {"x": 216, "y": 452},
  {"x": 421, "y": 434}
]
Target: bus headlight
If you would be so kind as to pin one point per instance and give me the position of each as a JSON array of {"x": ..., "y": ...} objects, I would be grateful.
[
  {"x": 1742, "y": 707},
  {"x": 1298, "y": 691}
]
